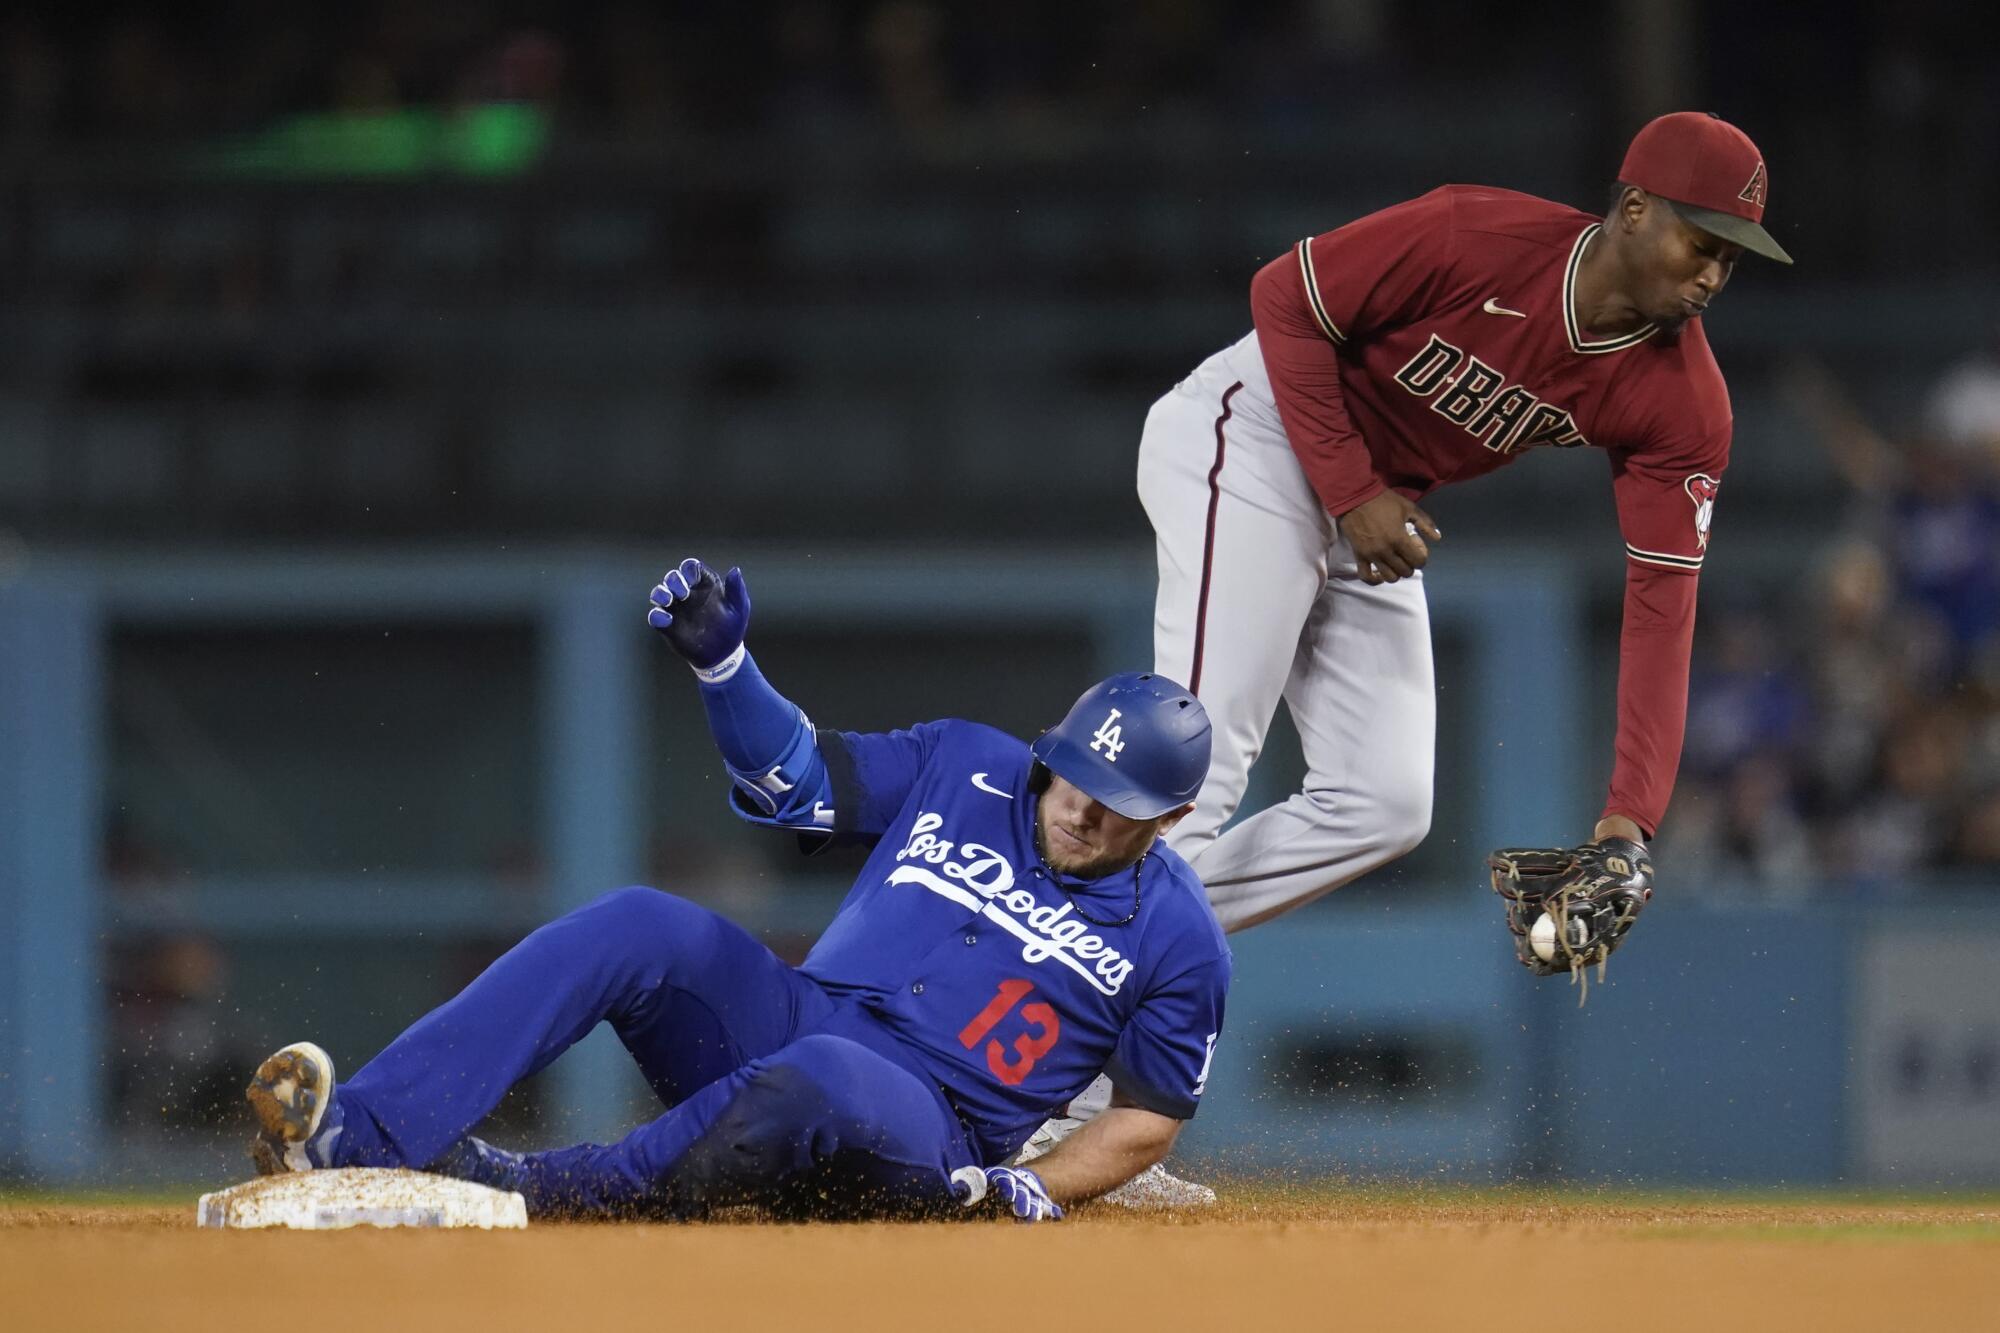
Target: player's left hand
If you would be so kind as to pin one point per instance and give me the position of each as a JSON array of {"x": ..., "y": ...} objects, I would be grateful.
[
  {"x": 1593, "y": 893},
  {"x": 703, "y": 615},
  {"x": 1023, "y": 1194}
]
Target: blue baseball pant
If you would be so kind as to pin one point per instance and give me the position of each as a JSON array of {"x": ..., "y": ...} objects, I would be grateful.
[{"x": 780, "y": 1094}]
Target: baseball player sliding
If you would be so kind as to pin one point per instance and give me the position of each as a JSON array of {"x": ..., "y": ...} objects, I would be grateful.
[
  {"x": 1429, "y": 343},
  {"x": 1018, "y": 927}
]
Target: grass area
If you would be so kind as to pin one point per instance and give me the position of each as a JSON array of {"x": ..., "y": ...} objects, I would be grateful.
[
  {"x": 1623, "y": 1197},
  {"x": 164, "y": 1196}
]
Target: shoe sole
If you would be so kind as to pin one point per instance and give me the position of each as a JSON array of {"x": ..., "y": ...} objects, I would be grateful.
[{"x": 289, "y": 1095}]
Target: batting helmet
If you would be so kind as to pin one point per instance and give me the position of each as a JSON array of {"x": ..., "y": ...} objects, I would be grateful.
[{"x": 1136, "y": 743}]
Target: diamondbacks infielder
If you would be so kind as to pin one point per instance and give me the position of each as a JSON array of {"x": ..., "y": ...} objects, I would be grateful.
[
  {"x": 1429, "y": 343},
  {"x": 1016, "y": 929}
]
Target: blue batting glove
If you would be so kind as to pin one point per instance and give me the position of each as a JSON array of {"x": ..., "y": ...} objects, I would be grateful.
[
  {"x": 703, "y": 616},
  {"x": 1023, "y": 1193}
]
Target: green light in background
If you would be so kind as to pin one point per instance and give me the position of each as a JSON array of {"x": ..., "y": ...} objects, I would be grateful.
[{"x": 497, "y": 139}]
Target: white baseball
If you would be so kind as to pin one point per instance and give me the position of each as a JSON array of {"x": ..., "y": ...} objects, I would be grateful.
[{"x": 1542, "y": 936}]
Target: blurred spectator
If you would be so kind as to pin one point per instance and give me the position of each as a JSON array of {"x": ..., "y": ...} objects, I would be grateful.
[
  {"x": 908, "y": 71},
  {"x": 1978, "y": 841},
  {"x": 1933, "y": 500},
  {"x": 1870, "y": 658},
  {"x": 1905, "y": 825},
  {"x": 1964, "y": 408},
  {"x": 1745, "y": 826},
  {"x": 523, "y": 65},
  {"x": 1744, "y": 700}
]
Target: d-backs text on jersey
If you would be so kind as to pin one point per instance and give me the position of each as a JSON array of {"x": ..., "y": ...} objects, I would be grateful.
[
  {"x": 983, "y": 880},
  {"x": 1504, "y": 417}
]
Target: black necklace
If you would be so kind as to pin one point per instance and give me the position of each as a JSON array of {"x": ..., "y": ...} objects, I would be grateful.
[{"x": 1055, "y": 877}]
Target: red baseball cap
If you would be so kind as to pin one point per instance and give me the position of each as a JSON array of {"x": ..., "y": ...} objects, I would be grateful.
[{"x": 1710, "y": 172}]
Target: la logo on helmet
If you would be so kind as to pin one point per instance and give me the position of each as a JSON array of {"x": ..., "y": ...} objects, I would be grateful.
[{"x": 1109, "y": 737}]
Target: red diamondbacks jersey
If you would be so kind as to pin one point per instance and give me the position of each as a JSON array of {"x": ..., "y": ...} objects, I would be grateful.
[
  {"x": 1439, "y": 340},
  {"x": 1459, "y": 349}
]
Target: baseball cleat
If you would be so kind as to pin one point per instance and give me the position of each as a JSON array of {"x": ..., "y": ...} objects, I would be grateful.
[
  {"x": 1156, "y": 1187},
  {"x": 289, "y": 1095}
]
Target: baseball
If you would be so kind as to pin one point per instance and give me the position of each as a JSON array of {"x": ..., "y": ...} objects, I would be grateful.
[{"x": 1542, "y": 936}]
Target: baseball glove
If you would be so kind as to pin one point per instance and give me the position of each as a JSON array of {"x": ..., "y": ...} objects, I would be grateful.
[{"x": 1592, "y": 894}]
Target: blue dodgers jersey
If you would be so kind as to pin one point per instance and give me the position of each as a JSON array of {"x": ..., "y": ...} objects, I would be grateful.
[{"x": 1000, "y": 977}]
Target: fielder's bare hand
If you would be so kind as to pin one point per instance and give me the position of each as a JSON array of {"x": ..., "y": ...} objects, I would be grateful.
[{"x": 1390, "y": 537}]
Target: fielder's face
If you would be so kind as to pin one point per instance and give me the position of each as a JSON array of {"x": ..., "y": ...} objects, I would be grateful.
[
  {"x": 1082, "y": 838},
  {"x": 1678, "y": 268}
]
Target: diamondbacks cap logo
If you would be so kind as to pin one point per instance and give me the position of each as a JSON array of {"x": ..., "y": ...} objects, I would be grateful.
[
  {"x": 1701, "y": 489},
  {"x": 1753, "y": 192}
]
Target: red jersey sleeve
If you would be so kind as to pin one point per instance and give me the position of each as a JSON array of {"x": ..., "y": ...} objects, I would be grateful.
[
  {"x": 1379, "y": 270},
  {"x": 1665, "y": 507},
  {"x": 1653, "y": 652}
]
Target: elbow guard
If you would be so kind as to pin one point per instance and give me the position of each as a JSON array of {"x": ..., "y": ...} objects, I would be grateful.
[{"x": 794, "y": 793}]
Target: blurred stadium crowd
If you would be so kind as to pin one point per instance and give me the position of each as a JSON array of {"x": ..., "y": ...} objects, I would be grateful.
[
  {"x": 1851, "y": 733},
  {"x": 647, "y": 70},
  {"x": 1916, "y": 106}
]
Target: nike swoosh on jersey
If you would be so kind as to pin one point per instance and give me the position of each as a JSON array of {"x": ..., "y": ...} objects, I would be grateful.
[
  {"x": 1493, "y": 307},
  {"x": 979, "y": 781}
]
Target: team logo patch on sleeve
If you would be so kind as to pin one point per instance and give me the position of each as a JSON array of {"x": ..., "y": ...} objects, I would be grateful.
[{"x": 1701, "y": 489}]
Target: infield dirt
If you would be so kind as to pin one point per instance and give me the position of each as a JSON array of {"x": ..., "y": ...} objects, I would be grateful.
[{"x": 1442, "y": 1261}]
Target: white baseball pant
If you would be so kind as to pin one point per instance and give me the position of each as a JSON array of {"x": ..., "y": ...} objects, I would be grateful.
[{"x": 1259, "y": 600}]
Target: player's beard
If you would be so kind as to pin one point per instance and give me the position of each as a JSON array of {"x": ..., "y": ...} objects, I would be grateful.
[{"x": 1086, "y": 868}]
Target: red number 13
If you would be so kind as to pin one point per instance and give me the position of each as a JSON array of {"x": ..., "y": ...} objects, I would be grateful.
[{"x": 1028, "y": 1047}]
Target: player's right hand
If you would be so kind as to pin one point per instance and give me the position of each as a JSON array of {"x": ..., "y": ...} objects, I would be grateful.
[
  {"x": 1022, "y": 1193},
  {"x": 702, "y": 615},
  {"x": 1388, "y": 534}
]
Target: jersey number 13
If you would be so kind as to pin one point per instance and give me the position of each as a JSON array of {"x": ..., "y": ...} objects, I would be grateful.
[{"x": 1043, "y": 1030}]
